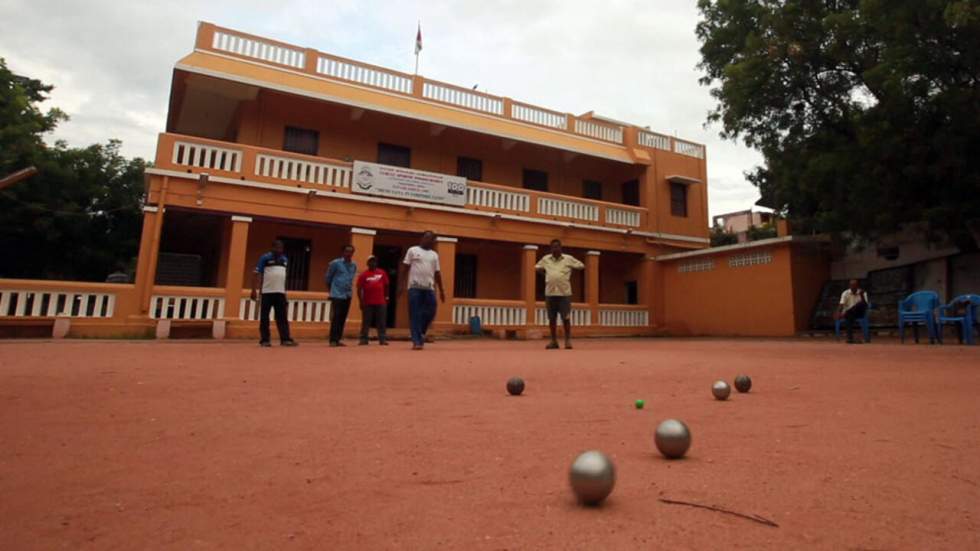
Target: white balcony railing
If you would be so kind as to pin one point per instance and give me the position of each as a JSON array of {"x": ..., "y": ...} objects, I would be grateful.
[
  {"x": 689, "y": 149},
  {"x": 611, "y": 317},
  {"x": 212, "y": 157},
  {"x": 298, "y": 170},
  {"x": 362, "y": 74},
  {"x": 463, "y": 98},
  {"x": 539, "y": 116},
  {"x": 259, "y": 49},
  {"x": 16, "y": 303},
  {"x": 490, "y": 316},
  {"x": 599, "y": 131},
  {"x": 298, "y": 310},
  {"x": 656, "y": 141},
  {"x": 177, "y": 307},
  {"x": 580, "y": 316},
  {"x": 550, "y": 206},
  {"x": 623, "y": 217},
  {"x": 497, "y": 199}
]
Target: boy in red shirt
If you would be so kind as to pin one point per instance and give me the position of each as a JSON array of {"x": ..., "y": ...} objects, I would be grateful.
[{"x": 372, "y": 291}]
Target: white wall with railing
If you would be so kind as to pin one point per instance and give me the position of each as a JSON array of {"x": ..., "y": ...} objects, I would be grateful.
[
  {"x": 200, "y": 155},
  {"x": 463, "y": 98},
  {"x": 551, "y": 206},
  {"x": 599, "y": 131},
  {"x": 580, "y": 316},
  {"x": 176, "y": 307},
  {"x": 689, "y": 149},
  {"x": 610, "y": 317},
  {"x": 490, "y": 316},
  {"x": 536, "y": 115},
  {"x": 360, "y": 74},
  {"x": 17, "y": 303},
  {"x": 298, "y": 310},
  {"x": 622, "y": 217},
  {"x": 654, "y": 140},
  {"x": 298, "y": 170},
  {"x": 259, "y": 49},
  {"x": 497, "y": 199}
]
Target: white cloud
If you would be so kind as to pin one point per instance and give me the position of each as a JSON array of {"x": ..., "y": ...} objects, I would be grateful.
[{"x": 111, "y": 62}]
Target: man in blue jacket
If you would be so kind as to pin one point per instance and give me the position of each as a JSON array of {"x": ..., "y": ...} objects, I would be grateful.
[
  {"x": 340, "y": 284},
  {"x": 270, "y": 276}
]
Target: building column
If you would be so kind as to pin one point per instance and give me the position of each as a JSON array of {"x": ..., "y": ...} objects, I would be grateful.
[
  {"x": 146, "y": 263},
  {"x": 592, "y": 284},
  {"x": 446, "y": 247},
  {"x": 528, "y": 280},
  {"x": 644, "y": 288},
  {"x": 237, "y": 259},
  {"x": 362, "y": 239}
]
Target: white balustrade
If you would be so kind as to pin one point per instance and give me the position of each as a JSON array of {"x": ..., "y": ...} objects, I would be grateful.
[
  {"x": 689, "y": 149},
  {"x": 536, "y": 115},
  {"x": 299, "y": 170},
  {"x": 298, "y": 310},
  {"x": 259, "y": 49},
  {"x": 696, "y": 265},
  {"x": 371, "y": 76},
  {"x": 580, "y": 316},
  {"x": 749, "y": 259},
  {"x": 622, "y": 217},
  {"x": 656, "y": 141},
  {"x": 623, "y": 318},
  {"x": 177, "y": 307},
  {"x": 497, "y": 199},
  {"x": 550, "y": 206},
  {"x": 463, "y": 98},
  {"x": 207, "y": 156},
  {"x": 599, "y": 131},
  {"x": 490, "y": 316},
  {"x": 16, "y": 303}
]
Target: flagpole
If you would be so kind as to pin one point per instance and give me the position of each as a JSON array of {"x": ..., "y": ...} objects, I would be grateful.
[{"x": 418, "y": 46}]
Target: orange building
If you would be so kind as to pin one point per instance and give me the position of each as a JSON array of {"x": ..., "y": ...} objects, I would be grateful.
[{"x": 261, "y": 143}]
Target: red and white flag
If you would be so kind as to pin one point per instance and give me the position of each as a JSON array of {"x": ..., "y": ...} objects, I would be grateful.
[{"x": 418, "y": 40}]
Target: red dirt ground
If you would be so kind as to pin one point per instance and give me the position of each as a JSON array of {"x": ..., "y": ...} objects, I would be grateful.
[{"x": 187, "y": 445}]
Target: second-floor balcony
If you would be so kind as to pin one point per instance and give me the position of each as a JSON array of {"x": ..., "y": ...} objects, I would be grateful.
[{"x": 183, "y": 154}]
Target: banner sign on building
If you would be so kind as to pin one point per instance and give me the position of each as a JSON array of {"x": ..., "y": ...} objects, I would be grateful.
[{"x": 405, "y": 183}]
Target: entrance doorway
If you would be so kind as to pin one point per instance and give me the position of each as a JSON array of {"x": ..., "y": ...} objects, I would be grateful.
[{"x": 388, "y": 260}]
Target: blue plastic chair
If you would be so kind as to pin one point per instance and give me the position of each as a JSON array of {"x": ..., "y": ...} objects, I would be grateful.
[
  {"x": 864, "y": 323},
  {"x": 971, "y": 305},
  {"x": 919, "y": 308}
]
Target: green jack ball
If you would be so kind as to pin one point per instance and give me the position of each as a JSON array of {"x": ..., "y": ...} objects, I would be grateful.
[{"x": 639, "y": 404}]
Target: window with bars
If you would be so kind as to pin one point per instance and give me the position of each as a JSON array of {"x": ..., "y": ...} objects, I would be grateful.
[
  {"x": 592, "y": 189},
  {"x": 469, "y": 168},
  {"x": 465, "y": 277},
  {"x": 535, "y": 180},
  {"x": 298, "y": 253},
  {"x": 394, "y": 155},
  {"x": 301, "y": 140},
  {"x": 631, "y": 193},
  {"x": 678, "y": 199}
]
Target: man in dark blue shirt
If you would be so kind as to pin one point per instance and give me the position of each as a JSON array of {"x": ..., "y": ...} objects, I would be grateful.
[
  {"x": 340, "y": 283},
  {"x": 270, "y": 276}
]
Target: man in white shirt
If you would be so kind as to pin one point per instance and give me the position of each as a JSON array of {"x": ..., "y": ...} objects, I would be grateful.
[
  {"x": 853, "y": 306},
  {"x": 420, "y": 274},
  {"x": 270, "y": 276},
  {"x": 557, "y": 269}
]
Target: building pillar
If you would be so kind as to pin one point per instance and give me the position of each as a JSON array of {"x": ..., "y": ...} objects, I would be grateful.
[
  {"x": 644, "y": 288},
  {"x": 146, "y": 263},
  {"x": 446, "y": 247},
  {"x": 528, "y": 280},
  {"x": 592, "y": 284},
  {"x": 237, "y": 260},
  {"x": 362, "y": 239}
]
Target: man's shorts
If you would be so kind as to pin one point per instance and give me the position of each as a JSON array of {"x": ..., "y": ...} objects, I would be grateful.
[{"x": 556, "y": 305}]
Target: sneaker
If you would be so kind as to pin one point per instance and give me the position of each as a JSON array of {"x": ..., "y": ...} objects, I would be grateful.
[
  {"x": 383, "y": 343},
  {"x": 417, "y": 347},
  {"x": 290, "y": 342},
  {"x": 552, "y": 346},
  {"x": 568, "y": 345},
  {"x": 265, "y": 344}
]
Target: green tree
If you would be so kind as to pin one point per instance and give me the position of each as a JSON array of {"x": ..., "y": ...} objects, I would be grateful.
[
  {"x": 719, "y": 236},
  {"x": 79, "y": 217},
  {"x": 867, "y": 112}
]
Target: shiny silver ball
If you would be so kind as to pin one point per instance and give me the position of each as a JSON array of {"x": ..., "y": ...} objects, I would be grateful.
[
  {"x": 673, "y": 438},
  {"x": 592, "y": 477},
  {"x": 743, "y": 383},
  {"x": 721, "y": 390}
]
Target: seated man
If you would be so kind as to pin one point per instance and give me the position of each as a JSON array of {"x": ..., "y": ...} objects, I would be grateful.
[{"x": 853, "y": 305}]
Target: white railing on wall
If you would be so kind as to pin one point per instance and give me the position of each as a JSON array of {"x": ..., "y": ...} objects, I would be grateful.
[
  {"x": 175, "y": 307},
  {"x": 490, "y": 316},
  {"x": 749, "y": 259},
  {"x": 656, "y": 141},
  {"x": 297, "y": 170},
  {"x": 689, "y": 149},
  {"x": 498, "y": 199},
  {"x": 360, "y": 74},
  {"x": 536, "y": 115},
  {"x": 207, "y": 156},
  {"x": 599, "y": 131},
  {"x": 702, "y": 265},
  {"x": 15, "y": 303},
  {"x": 569, "y": 209},
  {"x": 259, "y": 49},
  {"x": 463, "y": 98},
  {"x": 298, "y": 310},
  {"x": 623, "y": 318},
  {"x": 580, "y": 316},
  {"x": 622, "y": 217}
]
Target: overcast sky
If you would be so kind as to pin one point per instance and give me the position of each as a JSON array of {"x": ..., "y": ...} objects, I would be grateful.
[{"x": 111, "y": 61}]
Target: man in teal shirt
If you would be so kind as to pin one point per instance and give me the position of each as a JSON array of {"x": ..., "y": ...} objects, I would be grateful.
[{"x": 340, "y": 284}]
